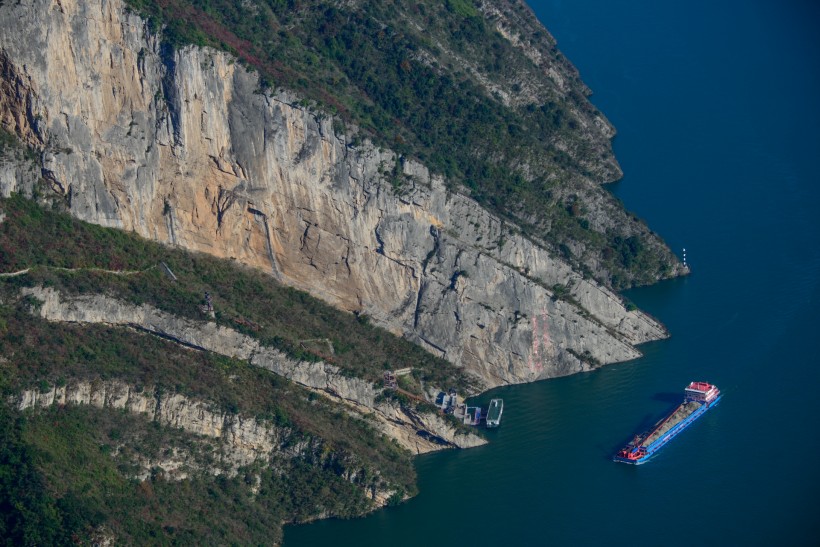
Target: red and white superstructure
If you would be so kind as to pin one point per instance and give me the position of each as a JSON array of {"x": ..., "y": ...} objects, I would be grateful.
[{"x": 703, "y": 392}]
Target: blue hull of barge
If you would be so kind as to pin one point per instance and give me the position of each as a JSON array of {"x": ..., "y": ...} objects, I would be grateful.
[{"x": 669, "y": 435}]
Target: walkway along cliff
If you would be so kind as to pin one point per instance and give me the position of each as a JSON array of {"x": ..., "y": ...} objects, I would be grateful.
[{"x": 418, "y": 432}]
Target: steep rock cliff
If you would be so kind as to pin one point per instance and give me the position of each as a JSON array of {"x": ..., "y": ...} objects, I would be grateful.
[{"x": 182, "y": 147}]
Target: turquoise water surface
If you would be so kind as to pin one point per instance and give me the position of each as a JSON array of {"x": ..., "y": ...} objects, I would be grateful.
[{"x": 716, "y": 106}]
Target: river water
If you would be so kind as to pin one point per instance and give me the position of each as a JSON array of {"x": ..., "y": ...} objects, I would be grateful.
[{"x": 716, "y": 105}]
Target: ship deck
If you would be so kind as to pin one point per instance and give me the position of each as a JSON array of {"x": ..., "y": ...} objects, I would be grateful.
[{"x": 677, "y": 417}]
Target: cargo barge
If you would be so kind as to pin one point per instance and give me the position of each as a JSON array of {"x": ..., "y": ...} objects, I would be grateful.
[{"x": 698, "y": 398}]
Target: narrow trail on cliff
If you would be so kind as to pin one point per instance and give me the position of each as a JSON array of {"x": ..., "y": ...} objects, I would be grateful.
[
  {"x": 61, "y": 269},
  {"x": 15, "y": 274}
]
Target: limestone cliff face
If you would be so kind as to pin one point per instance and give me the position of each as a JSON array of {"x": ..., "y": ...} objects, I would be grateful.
[
  {"x": 183, "y": 148},
  {"x": 416, "y": 432},
  {"x": 234, "y": 441}
]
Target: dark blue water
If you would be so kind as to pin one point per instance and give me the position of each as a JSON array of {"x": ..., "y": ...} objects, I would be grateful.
[{"x": 716, "y": 104}]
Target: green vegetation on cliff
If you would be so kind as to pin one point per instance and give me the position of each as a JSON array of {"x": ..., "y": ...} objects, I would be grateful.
[
  {"x": 60, "y": 484},
  {"x": 70, "y": 452},
  {"x": 70, "y": 473},
  {"x": 437, "y": 81}
]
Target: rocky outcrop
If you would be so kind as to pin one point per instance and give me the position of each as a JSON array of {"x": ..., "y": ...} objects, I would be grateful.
[
  {"x": 246, "y": 439},
  {"x": 182, "y": 147},
  {"x": 234, "y": 441},
  {"x": 415, "y": 431}
]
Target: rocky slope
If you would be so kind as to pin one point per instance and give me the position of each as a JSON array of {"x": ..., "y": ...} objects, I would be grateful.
[
  {"x": 151, "y": 409},
  {"x": 418, "y": 432},
  {"x": 234, "y": 441},
  {"x": 245, "y": 440},
  {"x": 182, "y": 147}
]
